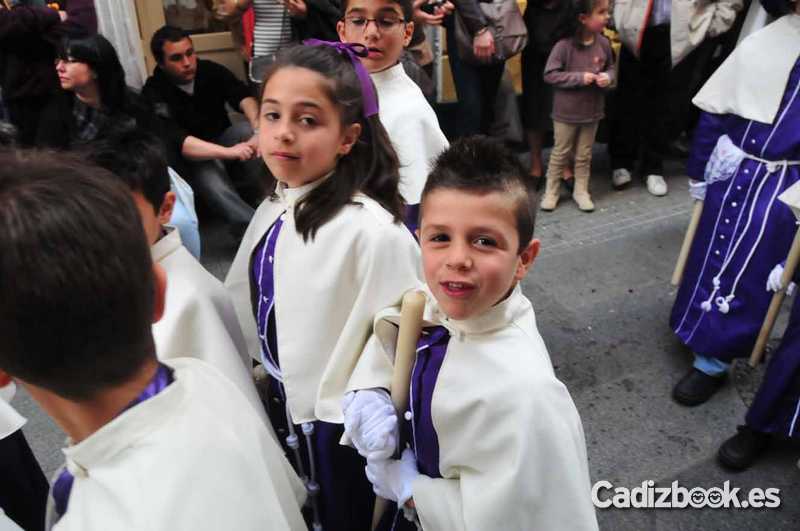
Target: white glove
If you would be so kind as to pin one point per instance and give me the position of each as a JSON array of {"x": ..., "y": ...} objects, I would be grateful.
[
  {"x": 392, "y": 478},
  {"x": 697, "y": 189},
  {"x": 371, "y": 423},
  {"x": 774, "y": 281}
]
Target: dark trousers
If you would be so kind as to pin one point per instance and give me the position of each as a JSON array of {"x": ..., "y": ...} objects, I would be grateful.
[
  {"x": 346, "y": 498},
  {"x": 23, "y": 487},
  {"x": 638, "y": 128},
  {"x": 476, "y": 87}
]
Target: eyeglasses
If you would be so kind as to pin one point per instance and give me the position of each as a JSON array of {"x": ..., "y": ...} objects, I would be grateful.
[{"x": 385, "y": 23}]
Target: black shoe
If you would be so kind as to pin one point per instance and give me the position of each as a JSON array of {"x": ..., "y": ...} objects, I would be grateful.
[
  {"x": 741, "y": 451},
  {"x": 696, "y": 388}
]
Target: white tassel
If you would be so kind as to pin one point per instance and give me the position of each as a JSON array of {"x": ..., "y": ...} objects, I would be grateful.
[
  {"x": 722, "y": 304},
  {"x": 706, "y": 306}
]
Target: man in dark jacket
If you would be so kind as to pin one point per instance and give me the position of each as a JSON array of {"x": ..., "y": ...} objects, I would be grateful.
[
  {"x": 29, "y": 37},
  {"x": 193, "y": 95}
]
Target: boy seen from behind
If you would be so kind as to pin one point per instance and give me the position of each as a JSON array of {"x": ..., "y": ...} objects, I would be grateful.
[{"x": 160, "y": 446}]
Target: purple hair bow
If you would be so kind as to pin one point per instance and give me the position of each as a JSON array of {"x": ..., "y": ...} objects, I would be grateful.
[{"x": 354, "y": 51}]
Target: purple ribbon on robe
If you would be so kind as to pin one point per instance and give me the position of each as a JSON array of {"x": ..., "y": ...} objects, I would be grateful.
[
  {"x": 63, "y": 485},
  {"x": 431, "y": 350}
]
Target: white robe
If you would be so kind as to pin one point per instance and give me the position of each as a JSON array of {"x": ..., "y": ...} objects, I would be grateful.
[
  {"x": 192, "y": 458},
  {"x": 512, "y": 453},
  {"x": 412, "y": 126},
  {"x": 10, "y": 420},
  {"x": 327, "y": 292},
  {"x": 199, "y": 320}
]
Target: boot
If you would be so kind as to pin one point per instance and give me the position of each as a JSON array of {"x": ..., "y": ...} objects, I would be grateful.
[
  {"x": 552, "y": 192},
  {"x": 581, "y": 193}
]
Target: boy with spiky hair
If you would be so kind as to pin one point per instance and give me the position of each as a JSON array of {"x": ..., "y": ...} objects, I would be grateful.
[
  {"x": 152, "y": 445},
  {"x": 495, "y": 439}
]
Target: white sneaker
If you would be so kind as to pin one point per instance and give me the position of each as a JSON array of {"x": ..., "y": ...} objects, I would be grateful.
[
  {"x": 620, "y": 178},
  {"x": 656, "y": 185}
]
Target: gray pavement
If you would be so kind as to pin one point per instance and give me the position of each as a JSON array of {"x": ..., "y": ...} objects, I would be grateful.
[{"x": 602, "y": 296}]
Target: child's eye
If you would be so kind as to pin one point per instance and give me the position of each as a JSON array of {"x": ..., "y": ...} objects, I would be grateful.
[
  {"x": 272, "y": 116},
  {"x": 357, "y": 22},
  {"x": 439, "y": 238},
  {"x": 308, "y": 121},
  {"x": 485, "y": 241}
]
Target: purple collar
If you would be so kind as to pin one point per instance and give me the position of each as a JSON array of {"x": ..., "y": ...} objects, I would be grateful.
[{"x": 63, "y": 485}]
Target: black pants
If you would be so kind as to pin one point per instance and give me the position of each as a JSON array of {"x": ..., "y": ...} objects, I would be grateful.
[
  {"x": 23, "y": 487},
  {"x": 638, "y": 127}
]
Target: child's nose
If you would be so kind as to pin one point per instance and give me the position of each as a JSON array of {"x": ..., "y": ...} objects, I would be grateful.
[{"x": 459, "y": 257}]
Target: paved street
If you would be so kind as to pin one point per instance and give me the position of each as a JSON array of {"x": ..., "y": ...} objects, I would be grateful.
[{"x": 602, "y": 297}]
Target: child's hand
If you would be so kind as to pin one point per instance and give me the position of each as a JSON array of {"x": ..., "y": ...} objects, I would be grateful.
[
  {"x": 602, "y": 80},
  {"x": 392, "y": 478},
  {"x": 589, "y": 78},
  {"x": 371, "y": 423},
  {"x": 483, "y": 45}
]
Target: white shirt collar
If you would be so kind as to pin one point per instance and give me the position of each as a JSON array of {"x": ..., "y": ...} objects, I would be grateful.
[
  {"x": 167, "y": 245},
  {"x": 498, "y": 316},
  {"x": 385, "y": 77},
  {"x": 290, "y": 196}
]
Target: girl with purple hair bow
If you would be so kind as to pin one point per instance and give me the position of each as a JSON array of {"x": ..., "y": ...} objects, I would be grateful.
[{"x": 322, "y": 255}]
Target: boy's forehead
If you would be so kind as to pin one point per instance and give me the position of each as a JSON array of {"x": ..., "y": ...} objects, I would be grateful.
[
  {"x": 373, "y": 6},
  {"x": 470, "y": 202}
]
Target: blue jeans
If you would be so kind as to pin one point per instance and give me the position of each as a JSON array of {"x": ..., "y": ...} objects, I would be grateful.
[{"x": 710, "y": 366}]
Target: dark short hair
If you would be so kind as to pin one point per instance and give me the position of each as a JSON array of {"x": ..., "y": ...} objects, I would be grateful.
[
  {"x": 76, "y": 276},
  {"x": 481, "y": 165},
  {"x": 97, "y": 52},
  {"x": 137, "y": 158},
  {"x": 406, "y": 6},
  {"x": 162, "y": 35}
]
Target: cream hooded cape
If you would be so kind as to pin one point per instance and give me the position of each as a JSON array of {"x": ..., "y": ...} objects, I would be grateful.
[
  {"x": 199, "y": 320},
  {"x": 327, "y": 292},
  {"x": 194, "y": 457},
  {"x": 752, "y": 80},
  {"x": 512, "y": 453}
]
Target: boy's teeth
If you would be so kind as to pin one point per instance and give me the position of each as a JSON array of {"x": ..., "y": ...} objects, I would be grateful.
[{"x": 456, "y": 285}]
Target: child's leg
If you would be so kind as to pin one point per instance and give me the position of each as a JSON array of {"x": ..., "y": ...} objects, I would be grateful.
[
  {"x": 564, "y": 141},
  {"x": 583, "y": 166}
]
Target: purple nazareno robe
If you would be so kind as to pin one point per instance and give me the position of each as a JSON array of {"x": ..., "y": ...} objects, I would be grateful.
[
  {"x": 345, "y": 496},
  {"x": 776, "y": 407},
  {"x": 744, "y": 231}
]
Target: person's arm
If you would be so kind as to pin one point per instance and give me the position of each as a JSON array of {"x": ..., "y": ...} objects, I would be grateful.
[
  {"x": 249, "y": 108},
  {"x": 471, "y": 14},
  {"x": 725, "y": 12},
  {"x": 556, "y": 73},
  {"x": 709, "y": 128},
  {"x": 194, "y": 148},
  {"x": 25, "y": 21},
  {"x": 606, "y": 78}
]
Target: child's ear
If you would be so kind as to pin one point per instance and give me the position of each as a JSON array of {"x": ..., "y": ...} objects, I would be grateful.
[
  {"x": 409, "y": 32},
  {"x": 167, "y": 206},
  {"x": 160, "y": 295},
  {"x": 349, "y": 138},
  {"x": 5, "y": 378},
  {"x": 526, "y": 258},
  {"x": 340, "y": 30}
]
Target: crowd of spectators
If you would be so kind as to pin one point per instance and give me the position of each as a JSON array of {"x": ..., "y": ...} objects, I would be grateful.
[{"x": 63, "y": 86}]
